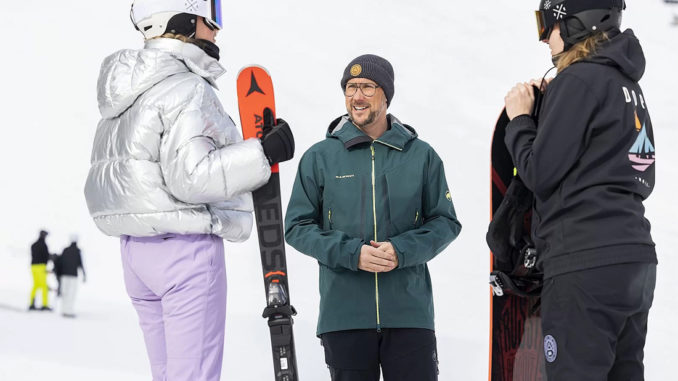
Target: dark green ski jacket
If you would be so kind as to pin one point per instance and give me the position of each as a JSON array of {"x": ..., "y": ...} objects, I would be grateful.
[{"x": 351, "y": 189}]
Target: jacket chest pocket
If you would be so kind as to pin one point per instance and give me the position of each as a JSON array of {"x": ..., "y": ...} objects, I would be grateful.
[
  {"x": 344, "y": 203},
  {"x": 404, "y": 200}
]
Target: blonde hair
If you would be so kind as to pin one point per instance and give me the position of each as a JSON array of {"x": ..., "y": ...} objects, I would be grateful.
[
  {"x": 581, "y": 50},
  {"x": 180, "y": 37}
]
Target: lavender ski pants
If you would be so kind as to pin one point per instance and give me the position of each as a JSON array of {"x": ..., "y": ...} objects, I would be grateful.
[{"x": 177, "y": 284}]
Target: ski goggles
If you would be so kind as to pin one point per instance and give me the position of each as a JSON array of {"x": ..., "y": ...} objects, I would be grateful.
[
  {"x": 542, "y": 27},
  {"x": 215, "y": 20}
]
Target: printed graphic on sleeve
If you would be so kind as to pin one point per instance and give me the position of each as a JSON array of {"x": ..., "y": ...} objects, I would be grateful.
[{"x": 642, "y": 151}]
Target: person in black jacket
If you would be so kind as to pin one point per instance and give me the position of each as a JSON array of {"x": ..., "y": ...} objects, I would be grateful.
[
  {"x": 590, "y": 161},
  {"x": 675, "y": 15},
  {"x": 56, "y": 269},
  {"x": 70, "y": 262},
  {"x": 39, "y": 259}
]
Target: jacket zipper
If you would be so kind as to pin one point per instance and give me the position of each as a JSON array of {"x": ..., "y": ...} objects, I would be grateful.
[
  {"x": 416, "y": 217},
  {"x": 389, "y": 145},
  {"x": 374, "y": 216},
  {"x": 329, "y": 217}
]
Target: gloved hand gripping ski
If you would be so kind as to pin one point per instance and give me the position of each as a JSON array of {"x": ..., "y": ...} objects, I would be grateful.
[{"x": 277, "y": 139}]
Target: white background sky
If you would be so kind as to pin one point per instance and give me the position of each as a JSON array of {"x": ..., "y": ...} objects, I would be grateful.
[{"x": 454, "y": 61}]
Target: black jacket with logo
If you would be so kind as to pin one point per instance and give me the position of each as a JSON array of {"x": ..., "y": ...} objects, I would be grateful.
[{"x": 590, "y": 162}]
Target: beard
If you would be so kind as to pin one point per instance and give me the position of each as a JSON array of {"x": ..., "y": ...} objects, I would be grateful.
[{"x": 371, "y": 117}]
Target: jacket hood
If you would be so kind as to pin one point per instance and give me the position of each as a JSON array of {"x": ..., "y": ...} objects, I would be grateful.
[
  {"x": 127, "y": 74},
  {"x": 624, "y": 52},
  {"x": 397, "y": 136}
]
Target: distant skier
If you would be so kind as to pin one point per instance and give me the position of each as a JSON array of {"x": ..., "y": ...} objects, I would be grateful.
[
  {"x": 589, "y": 160},
  {"x": 171, "y": 176},
  {"x": 70, "y": 261},
  {"x": 675, "y": 15},
  {"x": 56, "y": 270},
  {"x": 39, "y": 259},
  {"x": 371, "y": 204}
]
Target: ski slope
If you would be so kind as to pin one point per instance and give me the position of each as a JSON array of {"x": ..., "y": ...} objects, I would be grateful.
[{"x": 454, "y": 62}]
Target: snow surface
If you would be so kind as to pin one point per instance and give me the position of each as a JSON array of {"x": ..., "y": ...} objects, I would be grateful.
[{"x": 454, "y": 62}]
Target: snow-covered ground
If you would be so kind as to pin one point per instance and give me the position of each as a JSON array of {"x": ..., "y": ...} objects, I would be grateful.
[{"x": 454, "y": 61}]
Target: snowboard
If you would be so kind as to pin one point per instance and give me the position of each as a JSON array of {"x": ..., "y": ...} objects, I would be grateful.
[
  {"x": 516, "y": 344},
  {"x": 255, "y": 94}
]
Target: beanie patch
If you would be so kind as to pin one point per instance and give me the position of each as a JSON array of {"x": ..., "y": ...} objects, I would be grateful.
[{"x": 372, "y": 67}]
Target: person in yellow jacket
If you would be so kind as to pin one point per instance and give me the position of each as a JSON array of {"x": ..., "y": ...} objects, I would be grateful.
[{"x": 39, "y": 259}]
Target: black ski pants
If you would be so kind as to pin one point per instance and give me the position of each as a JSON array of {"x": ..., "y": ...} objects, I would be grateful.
[
  {"x": 595, "y": 322},
  {"x": 404, "y": 354}
]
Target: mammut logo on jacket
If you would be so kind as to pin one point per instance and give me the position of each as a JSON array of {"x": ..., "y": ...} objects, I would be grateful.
[{"x": 344, "y": 176}]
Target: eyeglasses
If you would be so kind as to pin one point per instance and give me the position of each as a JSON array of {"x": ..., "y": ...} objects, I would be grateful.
[{"x": 368, "y": 89}]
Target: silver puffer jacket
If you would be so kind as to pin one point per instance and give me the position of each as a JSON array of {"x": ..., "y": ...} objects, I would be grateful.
[{"x": 166, "y": 157}]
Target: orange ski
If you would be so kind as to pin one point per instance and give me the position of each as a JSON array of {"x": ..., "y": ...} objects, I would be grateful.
[{"x": 255, "y": 93}]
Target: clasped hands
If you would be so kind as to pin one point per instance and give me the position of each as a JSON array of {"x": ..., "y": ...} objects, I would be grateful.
[{"x": 378, "y": 257}]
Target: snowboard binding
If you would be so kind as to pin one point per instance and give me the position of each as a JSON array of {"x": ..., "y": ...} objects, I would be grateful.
[{"x": 508, "y": 237}]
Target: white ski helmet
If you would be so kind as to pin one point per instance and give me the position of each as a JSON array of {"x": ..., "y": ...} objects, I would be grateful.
[{"x": 154, "y": 18}]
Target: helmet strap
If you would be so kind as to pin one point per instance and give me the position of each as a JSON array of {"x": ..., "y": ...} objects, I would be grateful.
[{"x": 565, "y": 35}]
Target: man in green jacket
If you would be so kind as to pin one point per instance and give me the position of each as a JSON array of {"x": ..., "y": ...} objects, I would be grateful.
[{"x": 371, "y": 204}]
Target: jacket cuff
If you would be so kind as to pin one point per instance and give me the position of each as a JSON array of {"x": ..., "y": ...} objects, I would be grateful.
[
  {"x": 355, "y": 256},
  {"x": 522, "y": 120},
  {"x": 399, "y": 253}
]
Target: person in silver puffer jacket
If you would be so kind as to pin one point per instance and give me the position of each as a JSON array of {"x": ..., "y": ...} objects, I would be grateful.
[
  {"x": 171, "y": 176},
  {"x": 166, "y": 157}
]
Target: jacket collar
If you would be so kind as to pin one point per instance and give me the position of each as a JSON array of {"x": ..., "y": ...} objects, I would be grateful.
[
  {"x": 396, "y": 137},
  {"x": 195, "y": 59}
]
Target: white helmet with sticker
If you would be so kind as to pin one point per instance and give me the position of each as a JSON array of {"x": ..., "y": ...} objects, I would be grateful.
[{"x": 154, "y": 18}]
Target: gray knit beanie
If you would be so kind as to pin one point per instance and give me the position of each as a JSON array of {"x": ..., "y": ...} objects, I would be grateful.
[{"x": 372, "y": 67}]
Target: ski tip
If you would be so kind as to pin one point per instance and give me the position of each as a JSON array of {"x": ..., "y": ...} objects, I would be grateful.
[{"x": 253, "y": 66}]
